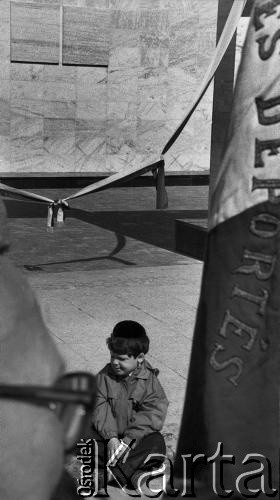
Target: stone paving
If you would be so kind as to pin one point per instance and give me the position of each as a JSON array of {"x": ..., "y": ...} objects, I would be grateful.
[
  {"x": 83, "y": 291},
  {"x": 81, "y": 308}
]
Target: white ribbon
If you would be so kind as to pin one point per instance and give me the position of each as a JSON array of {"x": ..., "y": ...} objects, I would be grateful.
[
  {"x": 24, "y": 194},
  {"x": 224, "y": 41}
]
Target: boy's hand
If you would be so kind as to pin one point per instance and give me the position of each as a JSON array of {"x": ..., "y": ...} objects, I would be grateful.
[
  {"x": 117, "y": 449},
  {"x": 125, "y": 451},
  {"x": 114, "y": 448}
]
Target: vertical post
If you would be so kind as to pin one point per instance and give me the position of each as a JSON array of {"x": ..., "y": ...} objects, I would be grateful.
[
  {"x": 223, "y": 93},
  {"x": 159, "y": 176},
  {"x": 223, "y": 90}
]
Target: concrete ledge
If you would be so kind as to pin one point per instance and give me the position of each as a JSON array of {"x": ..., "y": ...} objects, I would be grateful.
[
  {"x": 190, "y": 238},
  {"x": 80, "y": 180}
]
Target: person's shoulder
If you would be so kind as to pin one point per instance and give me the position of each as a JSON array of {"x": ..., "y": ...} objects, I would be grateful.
[
  {"x": 153, "y": 372},
  {"x": 105, "y": 371},
  {"x": 104, "y": 378},
  {"x": 148, "y": 374},
  {"x": 106, "y": 374}
]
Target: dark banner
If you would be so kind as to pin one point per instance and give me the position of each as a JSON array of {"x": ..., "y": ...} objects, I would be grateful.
[{"x": 229, "y": 440}]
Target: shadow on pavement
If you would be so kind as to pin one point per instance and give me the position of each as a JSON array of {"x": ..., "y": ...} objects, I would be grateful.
[{"x": 154, "y": 227}]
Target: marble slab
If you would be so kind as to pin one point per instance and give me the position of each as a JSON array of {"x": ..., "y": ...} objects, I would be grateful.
[
  {"x": 60, "y": 74},
  {"x": 149, "y": 4},
  {"x": 124, "y": 57},
  {"x": 191, "y": 151},
  {"x": 4, "y": 108},
  {"x": 125, "y": 159},
  {"x": 134, "y": 4},
  {"x": 55, "y": 126},
  {"x": 121, "y": 144},
  {"x": 123, "y": 4},
  {"x": 39, "y": 2},
  {"x": 92, "y": 118},
  {"x": 151, "y": 138},
  {"x": 154, "y": 50},
  {"x": 188, "y": 5},
  {"x": 206, "y": 34},
  {"x": 90, "y": 146},
  {"x": 122, "y": 110},
  {"x": 27, "y": 153},
  {"x": 27, "y": 72},
  {"x": 59, "y": 91},
  {"x": 97, "y": 4},
  {"x": 85, "y": 36},
  {"x": 93, "y": 108},
  {"x": 183, "y": 45},
  {"x": 26, "y": 160},
  {"x": 5, "y": 159},
  {"x": 29, "y": 127},
  {"x": 5, "y": 31},
  {"x": 123, "y": 90},
  {"x": 4, "y": 60},
  {"x": 91, "y": 76},
  {"x": 26, "y": 90},
  {"x": 60, "y": 109},
  {"x": 152, "y": 19},
  {"x": 5, "y": 10},
  {"x": 5, "y": 20},
  {"x": 124, "y": 37},
  {"x": 120, "y": 134},
  {"x": 152, "y": 95},
  {"x": 122, "y": 101},
  {"x": 26, "y": 99},
  {"x": 123, "y": 76},
  {"x": 94, "y": 93},
  {"x": 59, "y": 143},
  {"x": 34, "y": 33}
]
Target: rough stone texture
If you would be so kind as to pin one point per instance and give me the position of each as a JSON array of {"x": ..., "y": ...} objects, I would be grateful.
[
  {"x": 85, "y": 36},
  {"x": 58, "y": 118},
  {"x": 34, "y": 33}
]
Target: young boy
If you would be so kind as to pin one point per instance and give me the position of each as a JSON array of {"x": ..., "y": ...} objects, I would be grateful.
[{"x": 130, "y": 409}]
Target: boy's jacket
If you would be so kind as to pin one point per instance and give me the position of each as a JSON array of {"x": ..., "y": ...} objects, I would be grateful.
[{"x": 129, "y": 408}]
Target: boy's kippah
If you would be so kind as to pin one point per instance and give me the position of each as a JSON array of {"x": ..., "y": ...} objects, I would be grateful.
[{"x": 129, "y": 330}]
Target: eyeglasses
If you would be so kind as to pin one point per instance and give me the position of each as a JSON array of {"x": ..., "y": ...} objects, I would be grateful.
[{"x": 72, "y": 398}]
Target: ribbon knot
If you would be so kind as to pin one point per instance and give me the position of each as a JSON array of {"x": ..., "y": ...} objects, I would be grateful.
[{"x": 56, "y": 213}]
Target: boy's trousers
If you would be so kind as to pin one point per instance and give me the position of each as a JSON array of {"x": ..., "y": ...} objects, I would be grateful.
[{"x": 126, "y": 473}]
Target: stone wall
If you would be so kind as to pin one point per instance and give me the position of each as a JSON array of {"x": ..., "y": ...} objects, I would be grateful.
[{"x": 57, "y": 118}]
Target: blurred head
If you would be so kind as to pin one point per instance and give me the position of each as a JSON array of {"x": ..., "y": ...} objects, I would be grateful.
[
  {"x": 128, "y": 345},
  {"x": 30, "y": 435}
]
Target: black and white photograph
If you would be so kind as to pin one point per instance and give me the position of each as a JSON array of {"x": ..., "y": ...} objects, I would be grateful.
[{"x": 139, "y": 249}]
